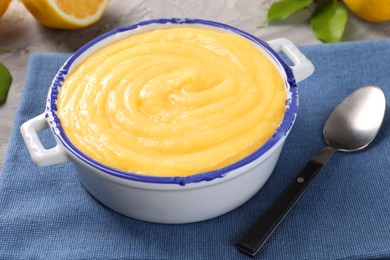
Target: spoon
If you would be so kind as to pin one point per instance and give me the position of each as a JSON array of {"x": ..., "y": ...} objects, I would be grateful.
[{"x": 352, "y": 126}]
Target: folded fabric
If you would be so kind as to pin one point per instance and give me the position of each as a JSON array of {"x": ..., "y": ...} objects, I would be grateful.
[{"x": 46, "y": 214}]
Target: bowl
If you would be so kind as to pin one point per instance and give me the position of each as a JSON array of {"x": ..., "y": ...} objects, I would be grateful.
[{"x": 171, "y": 200}]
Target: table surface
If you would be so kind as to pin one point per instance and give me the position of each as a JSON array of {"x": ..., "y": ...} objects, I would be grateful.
[{"x": 23, "y": 35}]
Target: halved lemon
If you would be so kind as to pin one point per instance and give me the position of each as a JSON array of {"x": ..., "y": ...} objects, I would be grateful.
[
  {"x": 3, "y": 6},
  {"x": 66, "y": 14}
]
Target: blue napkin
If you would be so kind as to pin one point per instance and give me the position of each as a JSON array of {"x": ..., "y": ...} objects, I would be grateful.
[{"x": 46, "y": 214}]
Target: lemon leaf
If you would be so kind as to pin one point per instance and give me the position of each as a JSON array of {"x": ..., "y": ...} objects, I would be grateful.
[
  {"x": 4, "y": 50},
  {"x": 284, "y": 8},
  {"x": 328, "y": 21},
  {"x": 5, "y": 82}
]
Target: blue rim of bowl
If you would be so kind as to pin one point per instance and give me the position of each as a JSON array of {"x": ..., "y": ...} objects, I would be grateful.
[{"x": 283, "y": 129}]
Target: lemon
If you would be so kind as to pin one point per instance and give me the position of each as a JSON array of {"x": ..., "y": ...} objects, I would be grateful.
[
  {"x": 370, "y": 10},
  {"x": 66, "y": 14},
  {"x": 3, "y": 6}
]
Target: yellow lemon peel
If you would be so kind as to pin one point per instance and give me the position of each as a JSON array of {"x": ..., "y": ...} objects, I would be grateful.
[
  {"x": 370, "y": 10},
  {"x": 4, "y": 6}
]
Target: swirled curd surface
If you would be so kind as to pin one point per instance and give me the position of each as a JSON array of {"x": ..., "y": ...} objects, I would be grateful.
[{"x": 173, "y": 102}]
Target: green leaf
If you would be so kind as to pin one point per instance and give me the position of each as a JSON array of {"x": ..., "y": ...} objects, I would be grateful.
[
  {"x": 5, "y": 82},
  {"x": 5, "y": 50},
  {"x": 328, "y": 21},
  {"x": 284, "y": 8}
]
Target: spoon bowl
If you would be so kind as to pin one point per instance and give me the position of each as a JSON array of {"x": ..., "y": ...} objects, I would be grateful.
[
  {"x": 352, "y": 126},
  {"x": 356, "y": 121}
]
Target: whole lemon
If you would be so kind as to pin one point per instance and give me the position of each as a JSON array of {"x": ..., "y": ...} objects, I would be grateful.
[{"x": 370, "y": 10}]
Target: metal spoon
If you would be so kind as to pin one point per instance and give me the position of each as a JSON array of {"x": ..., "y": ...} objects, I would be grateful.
[{"x": 352, "y": 126}]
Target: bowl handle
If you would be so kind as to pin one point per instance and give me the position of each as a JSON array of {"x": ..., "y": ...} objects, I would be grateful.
[
  {"x": 302, "y": 68},
  {"x": 39, "y": 154}
]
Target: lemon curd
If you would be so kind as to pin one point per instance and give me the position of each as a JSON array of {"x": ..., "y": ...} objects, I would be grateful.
[{"x": 173, "y": 102}]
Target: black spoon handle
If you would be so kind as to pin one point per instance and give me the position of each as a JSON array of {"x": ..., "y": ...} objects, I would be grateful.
[{"x": 255, "y": 237}]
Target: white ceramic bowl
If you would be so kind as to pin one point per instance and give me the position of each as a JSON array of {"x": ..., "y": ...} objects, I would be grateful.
[{"x": 170, "y": 199}]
